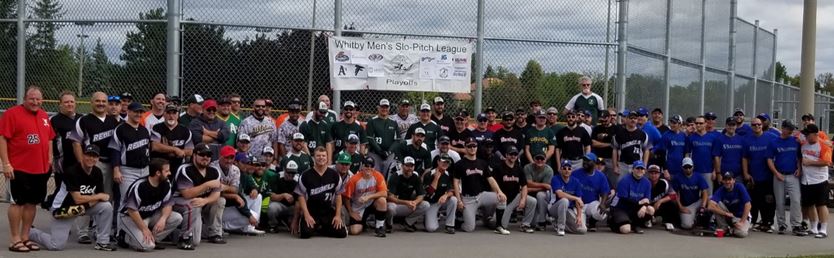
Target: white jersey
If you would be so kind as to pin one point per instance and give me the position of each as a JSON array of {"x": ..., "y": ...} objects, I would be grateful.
[
  {"x": 153, "y": 120},
  {"x": 812, "y": 175},
  {"x": 262, "y": 133},
  {"x": 404, "y": 123}
]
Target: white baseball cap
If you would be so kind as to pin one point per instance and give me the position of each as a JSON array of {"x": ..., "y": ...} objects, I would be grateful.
[
  {"x": 425, "y": 106},
  {"x": 687, "y": 161},
  {"x": 438, "y": 99},
  {"x": 420, "y": 131},
  {"x": 269, "y": 150},
  {"x": 291, "y": 166},
  {"x": 298, "y": 136},
  {"x": 244, "y": 137},
  {"x": 408, "y": 160},
  {"x": 350, "y": 104},
  {"x": 384, "y": 102}
]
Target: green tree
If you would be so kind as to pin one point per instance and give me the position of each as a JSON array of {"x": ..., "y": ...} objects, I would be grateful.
[
  {"x": 98, "y": 70},
  {"x": 490, "y": 72},
  {"x": 531, "y": 79},
  {"x": 144, "y": 57},
  {"x": 51, "y": 66},
  {"x": 207, "y": 60},
  {"x": 8, "y": 42}
]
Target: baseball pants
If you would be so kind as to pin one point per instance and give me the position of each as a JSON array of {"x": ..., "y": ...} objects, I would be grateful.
[
  {"x": 193, "y": 223},
  {"x": 233, "y": 220},
  {"x": 762, "y": 200},
  {"x": 724, "y": 222},
  {"x": 411, "y": 216},
  {"x": 688, "y": 219},
  {"x": 609, "y": 172},
  {"x": 323, "y": 226},
  {"x": 592, "y": 211},
  {"x": 791, "y": 187},
  {"x": 134, "y": 236},
  {"x": 625, "y": 170},
  {"x": 277, "y": 210},
  {"x": 450, "y": 207},
  {"x": 509, "y": 208},
  {"x": 486, "y": 202},
  {"x": 82, "y": 224},
  {"x": 59, "y": 229},
  {"x": 382, "y": 165},
  {"x": 129, "y": 175},
  {"x": 542, "y": 200},
  {"x": 566, "y": 217}
]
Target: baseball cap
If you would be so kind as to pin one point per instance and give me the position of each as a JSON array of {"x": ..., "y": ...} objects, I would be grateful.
[
  {"x": 444, "y": 139},
  {"x": 539, "y": 156},
  {"x": 344, "y": 158},
  {"x": 727, "y": 175},
  {"x": 811, "y": 128},
  {"x": 350, "y": 104},
  {"x": 638, "y": 164},
  {"x": 520, "y": 110},
  {"x": 462, "y": 114},
  {"x": 114, "y": 99},
  {"x": 806, "y": 117},
  {"x": 244, "y": 137},
  {"x": 654, "y": 168},
  {"x": 763, "y": 117},
  {"x": 268, "y": 103},
  {"x": 438, "y": 99},
  {"x": 242, "y": 157},
  {"x": 541, "y": 113},
  {"x": 171, "y": 107},
  {"x": 507, "y": 115},
  {"x": 135, "y": 106},
  {"x": 710, "y": 116},
  {"x": 269, "y": 150},
  {"x": 352, "y": 138},
  {"x": 420, "y": 131},
  {"x": 566, "y": 164},
  {"x": 126, "y": 95},
  {"x": 590, "y": 156},
  {"x": 469, "y": 140},
  {"x": 730, "y": 121},
  {"x": 625, "y": 112},
  {"x": 408, "y": 160},
  {"x": 92, "y": 150},
  {"x": 209, "y": 104},
  {"x": 512, "y": 150},
  {"x": 445, "y": 158},
  {"x": 194, "y": 99},
  {"x": 295, "y": 104},
  {"x": 227, "y": 151},
  {"x": 224, "y": 100},
  {"x": 738, "y": 111},
  {"x": 384, "y": 103},
  {"x": 687, "y": 162},
  {"x": 642, "y": 111},
  {"x": 202, "y": 148},
  {"x": 291, "y": 167},
  {"x": 676, "y": 119},
  {"x": 368, "y": 161},
  {"x": 657, "y": 110},
  {"x": 255, "y": 160},
  {"x": 322, "y": 107},
  {"x": 552, "y": 110},
  {"x": 482, "y": 117},
  {"x": 600, "y": 160},
  {"x": 425, "y": 107},
  {"x": 788, "y": 124},
  {"x": 489, "y": 109},
  {"x": 298, "y": 136},
  {"x": 405, "y": 102},
  {"x": 176, "y": 100}
]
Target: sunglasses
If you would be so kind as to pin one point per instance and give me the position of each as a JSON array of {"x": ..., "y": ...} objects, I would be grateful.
[
  {"x": 539, "y": 158},
  {"x": 755, "y": 124},
  {"x": 204, "y": 155},
  {"x": 471, "y": 146},
  {"x": 368, "y": 165},
  {"x": 211, "y": 110},
  {"x": 260, "y": 106},
  {"x": 687, "y": 167},
  {"x": 586, "y": 84},
  {"x": 699, "y": 123}
]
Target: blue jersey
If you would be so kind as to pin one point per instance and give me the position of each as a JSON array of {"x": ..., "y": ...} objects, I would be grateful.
[
  {"x": 734, "y": 199},
  {"x": 774, "y": 132},
  {"x": 652, "y": 132},
  {"x": 593, "y": 185},
  {"x": 630, "y": 190},
  {"x": 689, "y": 188},
  {"x": 730, "y": 150},
  {"x": 756, "y": 153},
  {"x": 700, "y": 146},
  {"x": 571, "y": 187},
  {"x": 785, "y": 154},
  {"x": 744, "y": 130},
  {"x": 674, "y": 144}
]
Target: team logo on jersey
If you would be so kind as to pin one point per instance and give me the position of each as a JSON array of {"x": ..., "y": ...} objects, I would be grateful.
[
  {"x": 33, "y": 138},
  {"x": 87, "y": 189},
  {"x": 45, "y": 122}
]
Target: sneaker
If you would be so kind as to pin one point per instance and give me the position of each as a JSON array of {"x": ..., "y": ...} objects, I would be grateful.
[
  {"x": 389, "y": 228},
  {"x": 380, "y": 232},
  {"x": 251, "y": 230},
  {"x": 527, "y": 229},
  {"x": 639, "y": 231},
  {"x": 86, "y": 240},
  {"x": 450, "y": 230},
  {"x": 821, "y": 235},
  {"x": 799, "y": 232},
  {"x": 768, "y": 229},
  {"x": 158, "y": 246},
  {"x": 669, "y": 227},
  {"x": 272, "y": 230},
  {"x": 501, "y": 230},
  {"x": 592, "y": 229},
  {"x": 217, "y": 240},
  {"x": 649, "y": 224},
  {"x": 410, "y": 228},
  {"x": 560, "y": 232},
  {"x": 185, "y": 244},
  {"x": 105, "y": 247},
  {"x": 782, "y": 229},
  {"x": 540, "y": 227}
]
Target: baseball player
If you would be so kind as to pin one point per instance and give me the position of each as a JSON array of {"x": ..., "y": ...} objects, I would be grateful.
[
  {"x": 663, "y": 199},
  {"x": 699, "y": 145},
  {"x": 171, "y": 140},
  {"x": 538, "y": 176},
  {"x": 445, "y": 122},
  {"x": 130, "y": 149},
  {"x": 259, "y": 127},
  {"x": 317, "y": 132},
  {"x": 243, "y": 217},
  {"x": 158, "y": 103},
  {"x": 342, "y": 130},
  {"x": 728, "y": 150},
  {"x": 630, "y": 144},
  {"x": 758, "y": 177},
  {"x": 730, "y": 205},
  {"x": 244, "y": 144},
  {"x": 352, "y": 150},
  {"x": 513, "y": 183},
  {"x": 784, "y": 162},
  {"x": 508, "y": 135},
  {"x": 297, "y": 154},
  {"x": 147, "y": 214},
  {"x": 414, "y": 150},
  {"x": 540, "y": 139},
  {"x": 114, "y": 107},
  {"x": 475, "y": 187},
  {"x": 631, "y": 207},
  {"x": 282, "y": 196},
  {"x": 64, "y": 123},
  {"x": 193, "y": 108},
  {"x": 444, "y": 146},
  {"x": 569, "y": 210},
  {"x": 197, "y": 198},
  {"x": 382, "y": 133},
  {"x": 430, "y": 128},
  {"x": 365, "y": 193},
  {"x": 81, "y": 193},
  {"x": 595, "y": 190},
  {"x": 816, "y": 158},
  {"x": 404, "y": 118},
  {"x": 318, "y": 188},
  {"x": 460, "y": 132},
  {"x": 224, "y": 113},
  {"x": 572, "y": 142},
  {"x": 405, "y": 196},
  {"x": 440, "y": 195},
  {"x": 693, "y": 194},
  {"x": 286, "y": 130}
]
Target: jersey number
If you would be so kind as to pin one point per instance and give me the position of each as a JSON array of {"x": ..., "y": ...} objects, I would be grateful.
[
  {"x": 311, "y": 145},
  {"x": 378, "y": 140},
  {"x": 33, "y": 139}
]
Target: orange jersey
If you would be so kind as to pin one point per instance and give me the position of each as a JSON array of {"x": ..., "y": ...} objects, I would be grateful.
[{"x": 358, "y": 186}]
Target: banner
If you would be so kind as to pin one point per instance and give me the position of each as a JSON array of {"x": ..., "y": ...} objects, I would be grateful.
[{"x": 400, "y": 65}]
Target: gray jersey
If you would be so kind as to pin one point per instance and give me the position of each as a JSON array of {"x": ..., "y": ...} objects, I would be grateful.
[
  {"x": 285, "y": 132},
  {"x": 261, "y": 132},
  {"x": 404, "y": 123}
]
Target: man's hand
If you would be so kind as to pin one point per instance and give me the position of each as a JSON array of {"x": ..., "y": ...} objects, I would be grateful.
[
  {"x": 502, "y": 197},
  {"x": 179, "y": 152},
  {"x": 117, "y": 175},
  {"x": 288, "y": 197},
  {"x": 643, "y": 201},
  {"x": 253, "y": 194},
  {"x": 8, "y": 171},
  {"x": 411, "y": 205},
  {"x": 684, "y": 210},
  {"x": 159, "y": 227},
  {"x": 355, "y": 216},
  {"x": 442, "y": 199},
  {"x": 214, "y": 184},
  {"x": 198, "y": 202},
  {"x": 253, "y": 221},
  {"x": 748, "y": 178},
  {"x": 103, "y": 197},
  {"x": 337, "y": 221},
  {"x": 521, "y": 204},
  {"x": 780, "y": 177},
  {"x": 798, "y": 172},
  {"x": 240, "y": 201},
  {"x": 363, "y": 199},
  {"x": 311, "y": 223},
  {"x": 147, "y": 236},
  {"x": 460, "y": 205},
  {"x": 616, "y": 170}
]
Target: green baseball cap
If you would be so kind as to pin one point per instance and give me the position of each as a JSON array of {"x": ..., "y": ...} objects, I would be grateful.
[{"x": 344, "y": 158}]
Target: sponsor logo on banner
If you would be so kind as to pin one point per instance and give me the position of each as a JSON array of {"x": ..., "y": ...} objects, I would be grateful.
[
  {"x": 460, "y": 60},
  {"x": 401, "y": 64},
  {"x": 375, "y": 57},
  {"x": 342, "y": 57},
  {"x": 443, "y": 73}
]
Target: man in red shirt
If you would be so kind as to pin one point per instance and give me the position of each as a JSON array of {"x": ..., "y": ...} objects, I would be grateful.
[{"x": 26, "y": 157}]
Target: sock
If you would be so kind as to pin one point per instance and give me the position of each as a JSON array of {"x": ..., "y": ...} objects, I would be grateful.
[
  {"x": 812, "y": 226},
  {"x": 499, "y": 215},
  {"x": 380, "y": 218},
  {"x": 824, "y": 228}
]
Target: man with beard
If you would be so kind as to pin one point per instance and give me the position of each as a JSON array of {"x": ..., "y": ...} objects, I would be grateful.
[
  {"x": 445, "y": 122},
  {"x": 572, "y": 142},
  {"x": 431, "y": 129},
  {"x": 405, "y": 196},
  {"x": 784, "y": 162},
  {"x": 147, "y": 214},
  {"x": 595, "y": 190},
  {"x": 155, "y": 116},
  {"x": 444, "y": 147},
  {"x": 758, "y": 177},
  {"x": 513, "y": 183},
  {"x": 630, "y": 145},
  {"x": 693, "y": 194},
  {"x": 207, "y": 128},
  {"x": 568, "y": 191},
  {"x": 728, "y": 150},
  {"x": 260, "y": 128},
  {"x": 194, "y": 107},
  {"x": 474, "y": 186},
  {"x": 440, "y": 195},
  {"x": 286, "y": 130},
  {"x": 197, "y": 190},
  {"x": 297, "y": 154},
  {"x": 700, "y": 146},
  {"x": 416, "y": 151},
  {"x": 382, "y": 133},
  {"x": 540, "y": 139},
  {"x": 657, "y": 121},
  {"x": 538, "y": 176},
  {"x": 767, "y": 125},
  {"x": 521, "y": 122},
  {"x": 317, "y": 131},
  {"x": 509, "y": 135},
  {"x": 224, "y": 113},
  {"x": 460, "y": 132},
  {"x": 64, "y": 123},
  {"x": 730, "y": 206},
  {"x": 601, "y": 137},
  {"x": 743, "y": 129},
  {"x": 348, "y": 126},
  {"x": 319, "y": 193},
  {"x": 673, "y": 146},
  {"x": 631, "y": 206},
  {"x": 586, "y": 100},
  {"x": 404, "y": 118},
  {"x": 114, "y": 106},
  {"x": 170, "y": 140}
]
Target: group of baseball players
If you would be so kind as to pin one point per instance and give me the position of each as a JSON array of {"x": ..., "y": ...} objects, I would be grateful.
[{"x": 182, "y": 172}]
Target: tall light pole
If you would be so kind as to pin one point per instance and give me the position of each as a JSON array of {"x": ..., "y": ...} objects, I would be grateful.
[
  {"x": 807, "y": 70},
  {"x": 82, "y": 55},
  {"x": 312, "y": 59}
]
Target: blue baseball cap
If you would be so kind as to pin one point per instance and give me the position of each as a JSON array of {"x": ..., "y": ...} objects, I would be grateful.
[
  {"x": 625, "y": 112},
  {"x": 710, "y": 116},
  {"x": 638, "y": 164},
  {"x": 642, "y": 111},
  {"x": 590, "y": 156},
  {"x": 242, "y": 157},
  {"x": 763, "y": 116},
  {"x": 566, "y": 164}
]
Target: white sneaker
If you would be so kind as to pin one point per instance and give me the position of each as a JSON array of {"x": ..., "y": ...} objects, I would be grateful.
[
  {"x": 670, "y": 227},
  {"x": 501, "y": 230},
  {"x": 252, "y": 230},
  {"x": 649, "y": 224},
  {"x": 560, "y": 232}
]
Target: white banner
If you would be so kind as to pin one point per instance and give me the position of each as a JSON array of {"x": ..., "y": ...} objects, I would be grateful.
[{"x": 400, "y": 65}]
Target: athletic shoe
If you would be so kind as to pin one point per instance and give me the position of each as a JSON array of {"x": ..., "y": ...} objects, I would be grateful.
[
  {"x": 769, "y": 229},
  {"x": 669, "y": 227},
  {"x": 450, "y": 230},
  {"x": 120, "y": 239},
  {"x": 217, "y": 240},
  {"x": 389, "y": 228},
  {"x": 380, "y": 232},
  {"x": 821, "y": 235},
  {"x": 649, "y": 224},
  {"x": 560, "y": 232},
  {"x": 158, "y": 246},
  {"x": 185, "y": 244},
  {"x": 501, "y": 230},
  {"x": 592, "y": 229},
  {"x": 251, "y": 230},
  {"x": 527, "y": 229},
  {"x": 105, "y": 247},
  {"x": 639, "y": 231},
  {"x": 799, "y": 232},
  {"x": 85, "y": 240},
  {"x": 409, "y": 228},
  {"x": 540, "y": 226},
  {"x": 272, "y": 230},
  {"x": 782, "y": 229}
]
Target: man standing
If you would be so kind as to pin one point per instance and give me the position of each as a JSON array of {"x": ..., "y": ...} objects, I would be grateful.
[
  {"x": 114, "y": 107},
  {"x": 440, "y": 195},
  {"x": 404, "y": 118},
  {"x": 586, "y": 100},
  {"x": 816, "y": 158},
  {"x": 784, "y": 163},
  {"x": 572, "y": 142},
  {"x": 236, "y": 109},
  {"x": 553, "y": 119},
  {"x": 382, "y": 133},
  {"x": 481, "y": 131},
  {"x": 224, "y": 113},
  {"x": 130, "y": 149},
  {"x": 125, "y": 99},
  {"x": 460, "y": 132},
  {"x": 288, "y": 128},
  {"x": 26, "y": 155},
  {"x": 492, "y": 126},
  {"x": 154, "y": 117},
  {"x": 710, "y": 118},
  {"x": 96, "y": 128},
  {"x": 80, "y": 194},
  {"x": 511, "y": 180},
  {"x": 743, "y": 129},
  {"x": 568, "y": 192},
  {"x": 475, "y": 186},
  {"x": 439, "y": 117},
  {"x": 444, "y": 147},
  {"x": 64, "y": 123},
  {"x": 317, "y": 132},
  {"x": 147, "y": 214},
  {"x": 731, "y": 206},
  {"x": 700, "y": 148},
  {"x": 538, "y": 175},
  {"x": 194, "y": 107},
  {"x": 416, "y": 151},
  {"x": 601, "y": 137},
  {"x": 260, "y": 128},
  {"x": 673, "y": 147},
  {"x": 758, "y": 176},
  {"x": 297, "y": 154},
  {"x": 693, "y": 194},
  {"x": 318, "y": 189},
  {"x": 657, "y": 121},
  {"x": 197, "y": 197},
  {"x": 508, "y": 135},
  {"x": 728, "y": 150},
  {"x": 207, "y": 128},
  {"x": 767, "y": 125},
  {"x": 405, "y": 196},
  {"x": 329, "y": 116},
  {"x": 171, "y": 140},
  {"x": 348, "y": 126},
  {"x": 430, "y": 128},
  {"x": 540, "y": 139},
  {"x": 630, "y": 145}
]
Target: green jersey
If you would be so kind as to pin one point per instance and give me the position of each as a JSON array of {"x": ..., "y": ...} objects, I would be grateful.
[
  {"x": 355, "y": 160},
  {"x": 315, "y": 133},
  {"x": 539, "y": 140},
  {"x": 233, "y": 121},
  {"x": 340, "y": 131},
  {"x": 592, "y": 103},
  {"x": 303, "y": 160},
  {"x": 432, "y": 133},
  {"x": 381, "y": 134}
]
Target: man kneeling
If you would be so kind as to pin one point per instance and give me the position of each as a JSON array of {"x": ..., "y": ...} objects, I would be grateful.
[
  {"x": 365, "y": 192},
  {"x": 730, "y": 205},
  {"x": 148, "y": 203}
]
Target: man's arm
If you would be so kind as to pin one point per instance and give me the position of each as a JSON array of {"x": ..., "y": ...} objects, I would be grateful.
[
  {"x": 195, "y": 191},
  {"x": 599, "y": 144},
  {"x": 4, "y": 155},
  {"x": 86, "y": 199}
]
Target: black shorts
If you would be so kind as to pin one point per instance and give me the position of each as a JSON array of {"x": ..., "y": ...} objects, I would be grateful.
[
  {"x": 814, "y": 195},
  {"x": 366, "y": 213},
  {"x": 27, "y": 188}
]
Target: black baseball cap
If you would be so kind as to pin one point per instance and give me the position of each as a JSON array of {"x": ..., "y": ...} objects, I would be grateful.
[
  {"x": 445, "y": 157},
  {"x": 224, "y": 100},
  {"x": 507, "y": 115},
  {"x": 730, "y": 121},
  {"x": 710, "y": 116},
  {"x": 727, "y": 175},
  {"x": 126, "y": 95},
  {"x": 811, "y": 128},
  {"x": 368, "y": 161},
  {"x": 202, "y": 148},
  {"x": 135, "y": 106},
  {"x": 512, "y": 150},
  {"x": 444, "y": 139},
  {"x": 194, "y": 99},
  {"x": 469, "y": 140},
  {"x": 489, "y": 109},
  {"x": 658, "y": 110},
  {"x": 171, "y": 107},
  {"x": 92, "y": 150},
  {"x": 807, "y": 117},
  {"x": 295, "y": 104},
  {"x": 462, "y": 114},
  {"x": 788, "y": 125}
]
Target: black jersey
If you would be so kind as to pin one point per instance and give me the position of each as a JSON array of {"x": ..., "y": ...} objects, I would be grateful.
[
  {"x": 93, "y": 130},
  {"x": 572, "y": 142},
  {"x": 76, "y": 180},
  {"x": 319, "y": 190},
  {"x": 62, "y": 145},
  {"x": 503, "y": 139},
  {"x": 146, "y": 198},
  {"x": 133, "y": 145},
  {"x": 509, "y": 179},
  {"x": 603, "y": 134},
  {"x": 189, "y": 176},
  {"x": 179, "y": 137},
  {"x": 457, "y": 139},
  {"x": 446, "y": 123},
  {"x": 630, "y": 144},
  {"x": 473, "y": 176}
]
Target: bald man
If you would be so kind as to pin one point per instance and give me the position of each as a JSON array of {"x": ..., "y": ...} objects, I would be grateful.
[{"x": 331, "y": 116}]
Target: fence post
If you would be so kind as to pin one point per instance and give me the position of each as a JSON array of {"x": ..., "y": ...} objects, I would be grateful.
[
  {"x": 668, "y": 61},
  {"x": 479, "y": 58},
  {"x": 755, "y": 61},
  {"x": 21, "y": 51},
  {"x": 172, "y": 68},
  {"x": 703, "y": 57},
  {"x": 622, "y": 47},
  {"x": 773, "y": 74},
  {"x": 808, "y": 57},
  {"x": 336, "y": 103},
  {"x": 731, "y": 58},
  {"x": 605, "y": 94}
]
